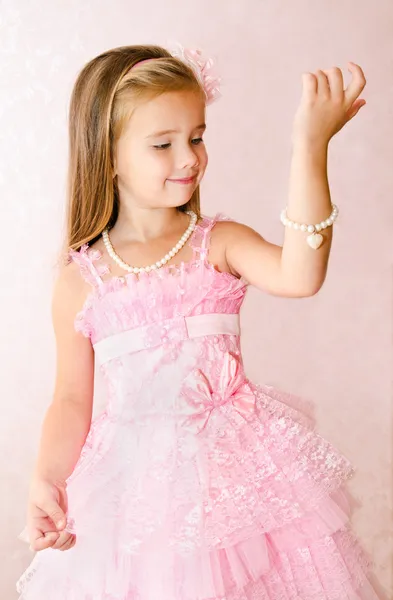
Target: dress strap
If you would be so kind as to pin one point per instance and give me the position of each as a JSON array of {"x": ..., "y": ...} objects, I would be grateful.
[
  {"x": 200, "y": 241},
  {"x": 86, "y": 258}
]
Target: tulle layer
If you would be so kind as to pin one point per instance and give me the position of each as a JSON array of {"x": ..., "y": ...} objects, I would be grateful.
[
  {"x": 238, "y": 477},
  {"x": 250, "y": 509},
  {"x": 331, "y": 567}
]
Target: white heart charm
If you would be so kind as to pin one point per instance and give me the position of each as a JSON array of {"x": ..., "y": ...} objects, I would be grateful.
[{"x": 315, "y": 240}]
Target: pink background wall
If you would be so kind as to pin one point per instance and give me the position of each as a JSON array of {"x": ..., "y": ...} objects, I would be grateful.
[{"x": 334, "y": 349}]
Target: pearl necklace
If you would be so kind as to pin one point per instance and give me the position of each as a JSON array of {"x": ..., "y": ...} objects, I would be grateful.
[{"x": 160, "y": 263}]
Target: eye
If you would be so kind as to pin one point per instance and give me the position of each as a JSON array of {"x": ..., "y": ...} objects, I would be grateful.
[
  {"x": 194, "y": 142},
  {"x": 162, "y": 147}
]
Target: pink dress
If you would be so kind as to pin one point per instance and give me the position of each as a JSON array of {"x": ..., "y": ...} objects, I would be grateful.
[{"x": 195, "y": 483}]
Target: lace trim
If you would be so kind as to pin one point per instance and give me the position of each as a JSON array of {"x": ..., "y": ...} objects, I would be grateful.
[
  {"x": 235, "y": 285},
  {"x": 200, "y": 240},
  {"x": 85, "y": 258}
]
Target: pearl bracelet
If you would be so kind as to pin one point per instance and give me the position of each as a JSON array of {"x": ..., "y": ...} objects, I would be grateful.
[{"x": 315, "y": 239}]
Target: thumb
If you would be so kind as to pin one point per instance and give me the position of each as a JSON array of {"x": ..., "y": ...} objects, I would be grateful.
[
  {"x": 356, "y": 106},
  {"x": 55, "y": 513}
]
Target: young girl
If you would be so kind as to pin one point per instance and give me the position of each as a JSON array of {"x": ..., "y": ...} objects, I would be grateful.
[{"x": 193, "y": 483}]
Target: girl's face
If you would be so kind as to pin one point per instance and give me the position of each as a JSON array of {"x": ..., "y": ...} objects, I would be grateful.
[{"x": 161, "y": 158}]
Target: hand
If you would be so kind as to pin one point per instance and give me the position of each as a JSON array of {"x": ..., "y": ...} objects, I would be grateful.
[
  {"x": 46, "y": 516},
  {"x": 326, "y": 106}
]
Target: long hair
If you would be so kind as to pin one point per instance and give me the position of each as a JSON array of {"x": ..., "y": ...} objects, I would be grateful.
[{"x": 104, "y": 96}]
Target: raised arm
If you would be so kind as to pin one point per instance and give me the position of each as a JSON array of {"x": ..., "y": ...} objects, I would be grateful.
[{"x": 296, "y": 269}]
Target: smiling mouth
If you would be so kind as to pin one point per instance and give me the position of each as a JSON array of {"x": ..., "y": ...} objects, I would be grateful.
[{"x": 185, "y": 180}]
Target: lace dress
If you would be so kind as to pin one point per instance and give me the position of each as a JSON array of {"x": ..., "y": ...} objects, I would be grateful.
[{"x": 195, "y": 483}]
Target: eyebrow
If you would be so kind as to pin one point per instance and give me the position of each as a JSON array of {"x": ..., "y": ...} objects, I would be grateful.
[{"x": 166, "y": 131}]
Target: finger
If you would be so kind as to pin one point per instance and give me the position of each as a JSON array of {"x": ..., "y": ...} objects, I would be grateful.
[
  {"x": 63, "y": 499},
  {"x": 356, "y": 106},
  {"x": 336, "y": 82},
  {"x": 55, "y": 513},
  {"x": 69, "y": 544},
  {"x": 63, "y": 539},
  {"x": 310, "y": 85},
  {"x": 38, "y": 527},
  {"x": 44, "y": 541},
  {"x": 357, "y": 85},
  {"x": 323, "y": 84}
]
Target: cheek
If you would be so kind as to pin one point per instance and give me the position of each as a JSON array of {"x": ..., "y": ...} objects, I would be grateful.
[
  {"x": 154, "y": 168},
  {"x": 151, "y": 163},
  {"x": 161, "y": 164}
]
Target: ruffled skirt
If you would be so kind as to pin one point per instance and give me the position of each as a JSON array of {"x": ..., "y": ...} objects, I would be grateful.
[{"x": 247, "y": 509}]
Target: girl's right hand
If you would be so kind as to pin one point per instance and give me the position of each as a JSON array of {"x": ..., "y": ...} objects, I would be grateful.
[{"x": 46, "y": 516}]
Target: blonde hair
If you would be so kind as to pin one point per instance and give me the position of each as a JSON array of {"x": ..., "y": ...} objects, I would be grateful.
[{"x": 104, "y": 96}]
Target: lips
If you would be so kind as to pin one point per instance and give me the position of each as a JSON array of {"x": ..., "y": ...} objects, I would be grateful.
[{"x": 185, "y": 180}]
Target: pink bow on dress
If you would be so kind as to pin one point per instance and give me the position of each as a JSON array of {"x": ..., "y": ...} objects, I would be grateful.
[{"x": 200, "y": 400}]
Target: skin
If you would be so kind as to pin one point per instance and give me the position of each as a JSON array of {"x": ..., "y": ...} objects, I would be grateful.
[{"x": 149, "y": 225}]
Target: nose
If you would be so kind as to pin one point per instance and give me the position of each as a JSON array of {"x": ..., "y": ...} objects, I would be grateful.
[{"x": 188, "y": 158}]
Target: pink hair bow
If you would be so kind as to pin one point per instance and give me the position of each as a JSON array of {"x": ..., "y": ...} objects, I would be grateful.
[
  {"x": 199, "y": 400},
  {"x": 203, "y": 69}
]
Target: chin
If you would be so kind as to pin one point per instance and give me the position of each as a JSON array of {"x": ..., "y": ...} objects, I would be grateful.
[{"x": 178, "y": 202}]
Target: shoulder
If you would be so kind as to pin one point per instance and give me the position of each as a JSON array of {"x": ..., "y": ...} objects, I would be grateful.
[
  {"x": 70, "y": 289},
  {"x": 221, "y": 233},
  {"x": 68, "y": 277},
  {"x": 229, "y": 231}
]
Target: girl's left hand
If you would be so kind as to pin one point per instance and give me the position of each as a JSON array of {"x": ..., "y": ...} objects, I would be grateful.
[{"x": 326, "y": 106}]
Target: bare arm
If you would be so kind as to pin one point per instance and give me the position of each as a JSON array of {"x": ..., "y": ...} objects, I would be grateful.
[
  {"x": 296, "y": 270},
  {"x": 68, "y": 418}
]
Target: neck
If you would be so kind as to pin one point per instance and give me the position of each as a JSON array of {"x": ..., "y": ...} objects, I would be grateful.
[{"x": 143, "y": 224}]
